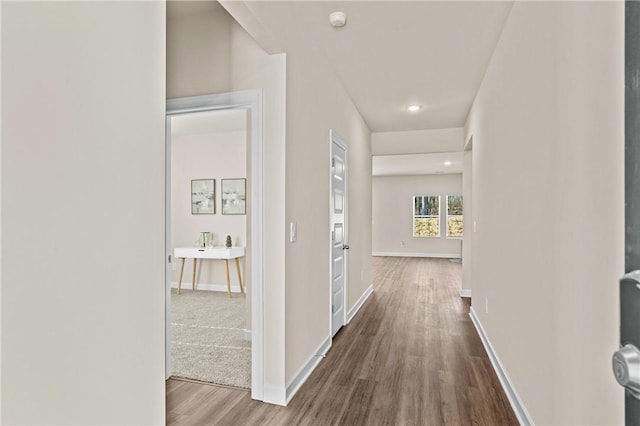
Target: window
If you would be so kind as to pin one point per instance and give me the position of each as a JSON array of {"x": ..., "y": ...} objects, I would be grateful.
[
  {"x": 426, "y": 216},
  {"x": 454, "y": 216}
]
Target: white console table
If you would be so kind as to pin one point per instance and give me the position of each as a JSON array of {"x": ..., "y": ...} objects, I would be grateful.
[{"x": 223, "y": 253}]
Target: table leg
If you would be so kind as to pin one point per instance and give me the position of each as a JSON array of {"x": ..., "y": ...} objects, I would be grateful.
[
  {"x": 239, "y": 275},
  {"x": 193, "y": 278},
  {"x": 181, "y": 271},
  {"x": 226, "y": 265}
]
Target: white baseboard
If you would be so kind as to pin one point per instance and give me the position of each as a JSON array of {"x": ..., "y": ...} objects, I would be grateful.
[
  {"x": 247, "y": 335},
  {"x": 516, "y": 403},
  {"x": 354, "y": 310},
  {"x": 465, "y": 292},
  {"x": 305, "y": 371},
  {"x": 207, "y": 287},
  {"x": 274, "y": 395},
  {"x": 402, "y": 254}
]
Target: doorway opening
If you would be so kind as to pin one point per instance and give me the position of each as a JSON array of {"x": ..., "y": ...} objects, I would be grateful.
[{"x": 214, "y": 191}]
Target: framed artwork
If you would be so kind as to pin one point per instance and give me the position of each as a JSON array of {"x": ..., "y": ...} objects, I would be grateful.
[
  {"x": 234, "y": 194},
  {"x": 203, "y": 196}
]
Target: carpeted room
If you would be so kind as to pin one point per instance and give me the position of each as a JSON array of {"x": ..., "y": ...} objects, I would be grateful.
[{"x": 209, "y": 338}]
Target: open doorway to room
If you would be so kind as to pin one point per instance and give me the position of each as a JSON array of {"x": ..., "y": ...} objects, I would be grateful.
[{"x": 209, "y": 309}]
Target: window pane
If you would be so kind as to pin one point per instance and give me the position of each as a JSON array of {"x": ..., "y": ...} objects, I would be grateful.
[
  {"x": 426, "y": 205},
  {"x": 454, "y": 205},
  {"x": 426, "y": 227},
  {"x": 454, "y": 226}
]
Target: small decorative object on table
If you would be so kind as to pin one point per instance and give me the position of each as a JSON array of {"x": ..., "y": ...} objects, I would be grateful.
[
  {"x": 228, "y": 243},
  {"x": 205, "y": 240}
]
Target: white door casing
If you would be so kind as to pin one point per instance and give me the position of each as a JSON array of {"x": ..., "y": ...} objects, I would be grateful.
[
  {"x": 251, "y": 100},
  {"x": 339, "y": 246}
]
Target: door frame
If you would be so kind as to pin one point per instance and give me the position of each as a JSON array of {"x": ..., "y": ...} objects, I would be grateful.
[
  {"x": 252, "y": 101},
  {"x": 334, "y": 138}
]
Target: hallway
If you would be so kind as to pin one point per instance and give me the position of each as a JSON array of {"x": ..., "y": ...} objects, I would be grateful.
[{"x": 411, "y": 356}]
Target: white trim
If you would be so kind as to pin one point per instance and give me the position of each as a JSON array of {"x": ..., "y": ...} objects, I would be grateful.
[
  {"x": 168, "y": 250},
  {"x": 353, "y": 311},
  {"x": 274, "y": 395},
  {"x": 516, "y": 403},
  {"x": 251, "y": 99},
  {"x": 401, "y": 254},
  {"x": 247, "y": 335},
  {"x": 465, "y": 292},
  {"x": 207, "y": 287},
  {"x": 307, "y": 368}
]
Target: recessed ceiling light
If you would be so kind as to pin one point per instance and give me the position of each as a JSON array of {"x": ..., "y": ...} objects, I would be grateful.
[
  {"x": 414, "y": 108},
  {"x": 447, "y": 163}
]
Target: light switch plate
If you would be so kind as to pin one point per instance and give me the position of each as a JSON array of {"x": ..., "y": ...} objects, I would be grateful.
[{"x": 293, "y": 232}]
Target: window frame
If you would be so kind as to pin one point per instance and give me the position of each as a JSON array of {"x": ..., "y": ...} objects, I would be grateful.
[
  {"x": 453, "y": 215},
  {"x": 414, "y": 216}
]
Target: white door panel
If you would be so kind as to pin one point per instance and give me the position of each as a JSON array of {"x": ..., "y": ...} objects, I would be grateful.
[{"x": 338, "y": 234}]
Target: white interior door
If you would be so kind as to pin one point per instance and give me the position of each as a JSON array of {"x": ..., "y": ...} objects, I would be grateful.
[{"x": 339, "y": 245}]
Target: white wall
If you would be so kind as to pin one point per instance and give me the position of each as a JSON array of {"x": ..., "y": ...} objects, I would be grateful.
[
  {"x": 307, "y": 179},
  {"x": 417, "y": 141},
  {"x": 548, "y": 150},
  {"x": 393, "y": 215},
  {"x": 218, "y": 156},
  {"x": 252, "y": 67},
  {"x": 467, "y": 214},
  {"x": 307, "y": 201},
  {"x": 247, "y": 66},
  {"x": 198, "y": 49},
  {"x": 82, "y": 219}
]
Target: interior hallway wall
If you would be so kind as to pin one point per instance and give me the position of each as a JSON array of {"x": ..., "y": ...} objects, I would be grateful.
[
  {"x": 548, "y": 151},
  {"x": 467, "y": 236},
  {"x": 301, "y": 164},
  {"x": 83, "y": 123},
  {"x": 241, "y": 64},
  {"x": 307, "y": 201}
]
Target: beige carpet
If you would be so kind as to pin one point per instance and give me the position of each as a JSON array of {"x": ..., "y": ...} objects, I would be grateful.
[{"x": 207, "y": 338}]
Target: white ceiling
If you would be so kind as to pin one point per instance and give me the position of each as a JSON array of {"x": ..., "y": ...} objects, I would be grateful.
[
  {"x": 417, "y": 164},
  {"x": 394, "y": 53}
]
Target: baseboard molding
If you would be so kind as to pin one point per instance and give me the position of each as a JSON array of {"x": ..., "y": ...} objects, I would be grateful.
[
  {"x": 465, "y": 292},
  {"x": 402, "y": 254},
  {"x": 274, "y": 395},
  {"x": 247, "y": 335},
  {"x": 207, "y": 287},
  {"x": 305, "y": 371},
  {"x": 353, "y": 311},
  {"x": 516, "y": 403}
]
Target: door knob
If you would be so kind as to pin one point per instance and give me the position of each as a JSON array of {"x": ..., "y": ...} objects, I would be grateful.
[
  {"x": 626, "y": 368},
  {"x": 345, "y": 247}
]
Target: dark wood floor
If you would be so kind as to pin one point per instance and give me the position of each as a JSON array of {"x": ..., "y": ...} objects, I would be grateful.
[{"x": 410, "y": 357}]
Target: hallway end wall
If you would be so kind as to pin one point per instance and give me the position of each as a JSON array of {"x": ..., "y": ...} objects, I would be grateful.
[{"x": 393, "y": 215}]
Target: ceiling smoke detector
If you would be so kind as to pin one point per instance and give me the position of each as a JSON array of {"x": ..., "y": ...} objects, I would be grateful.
[{"x": 338, "y": 19}]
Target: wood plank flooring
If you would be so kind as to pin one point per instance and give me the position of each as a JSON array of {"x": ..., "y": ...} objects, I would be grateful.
[{"x": 410, "y": 357}]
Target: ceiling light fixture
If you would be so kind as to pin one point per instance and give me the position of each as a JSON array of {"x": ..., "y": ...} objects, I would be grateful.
[
  {"x": 447, "y": 163},
  {"x": 338, "y": 19},
  {"x": 414, "y": 108}
]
